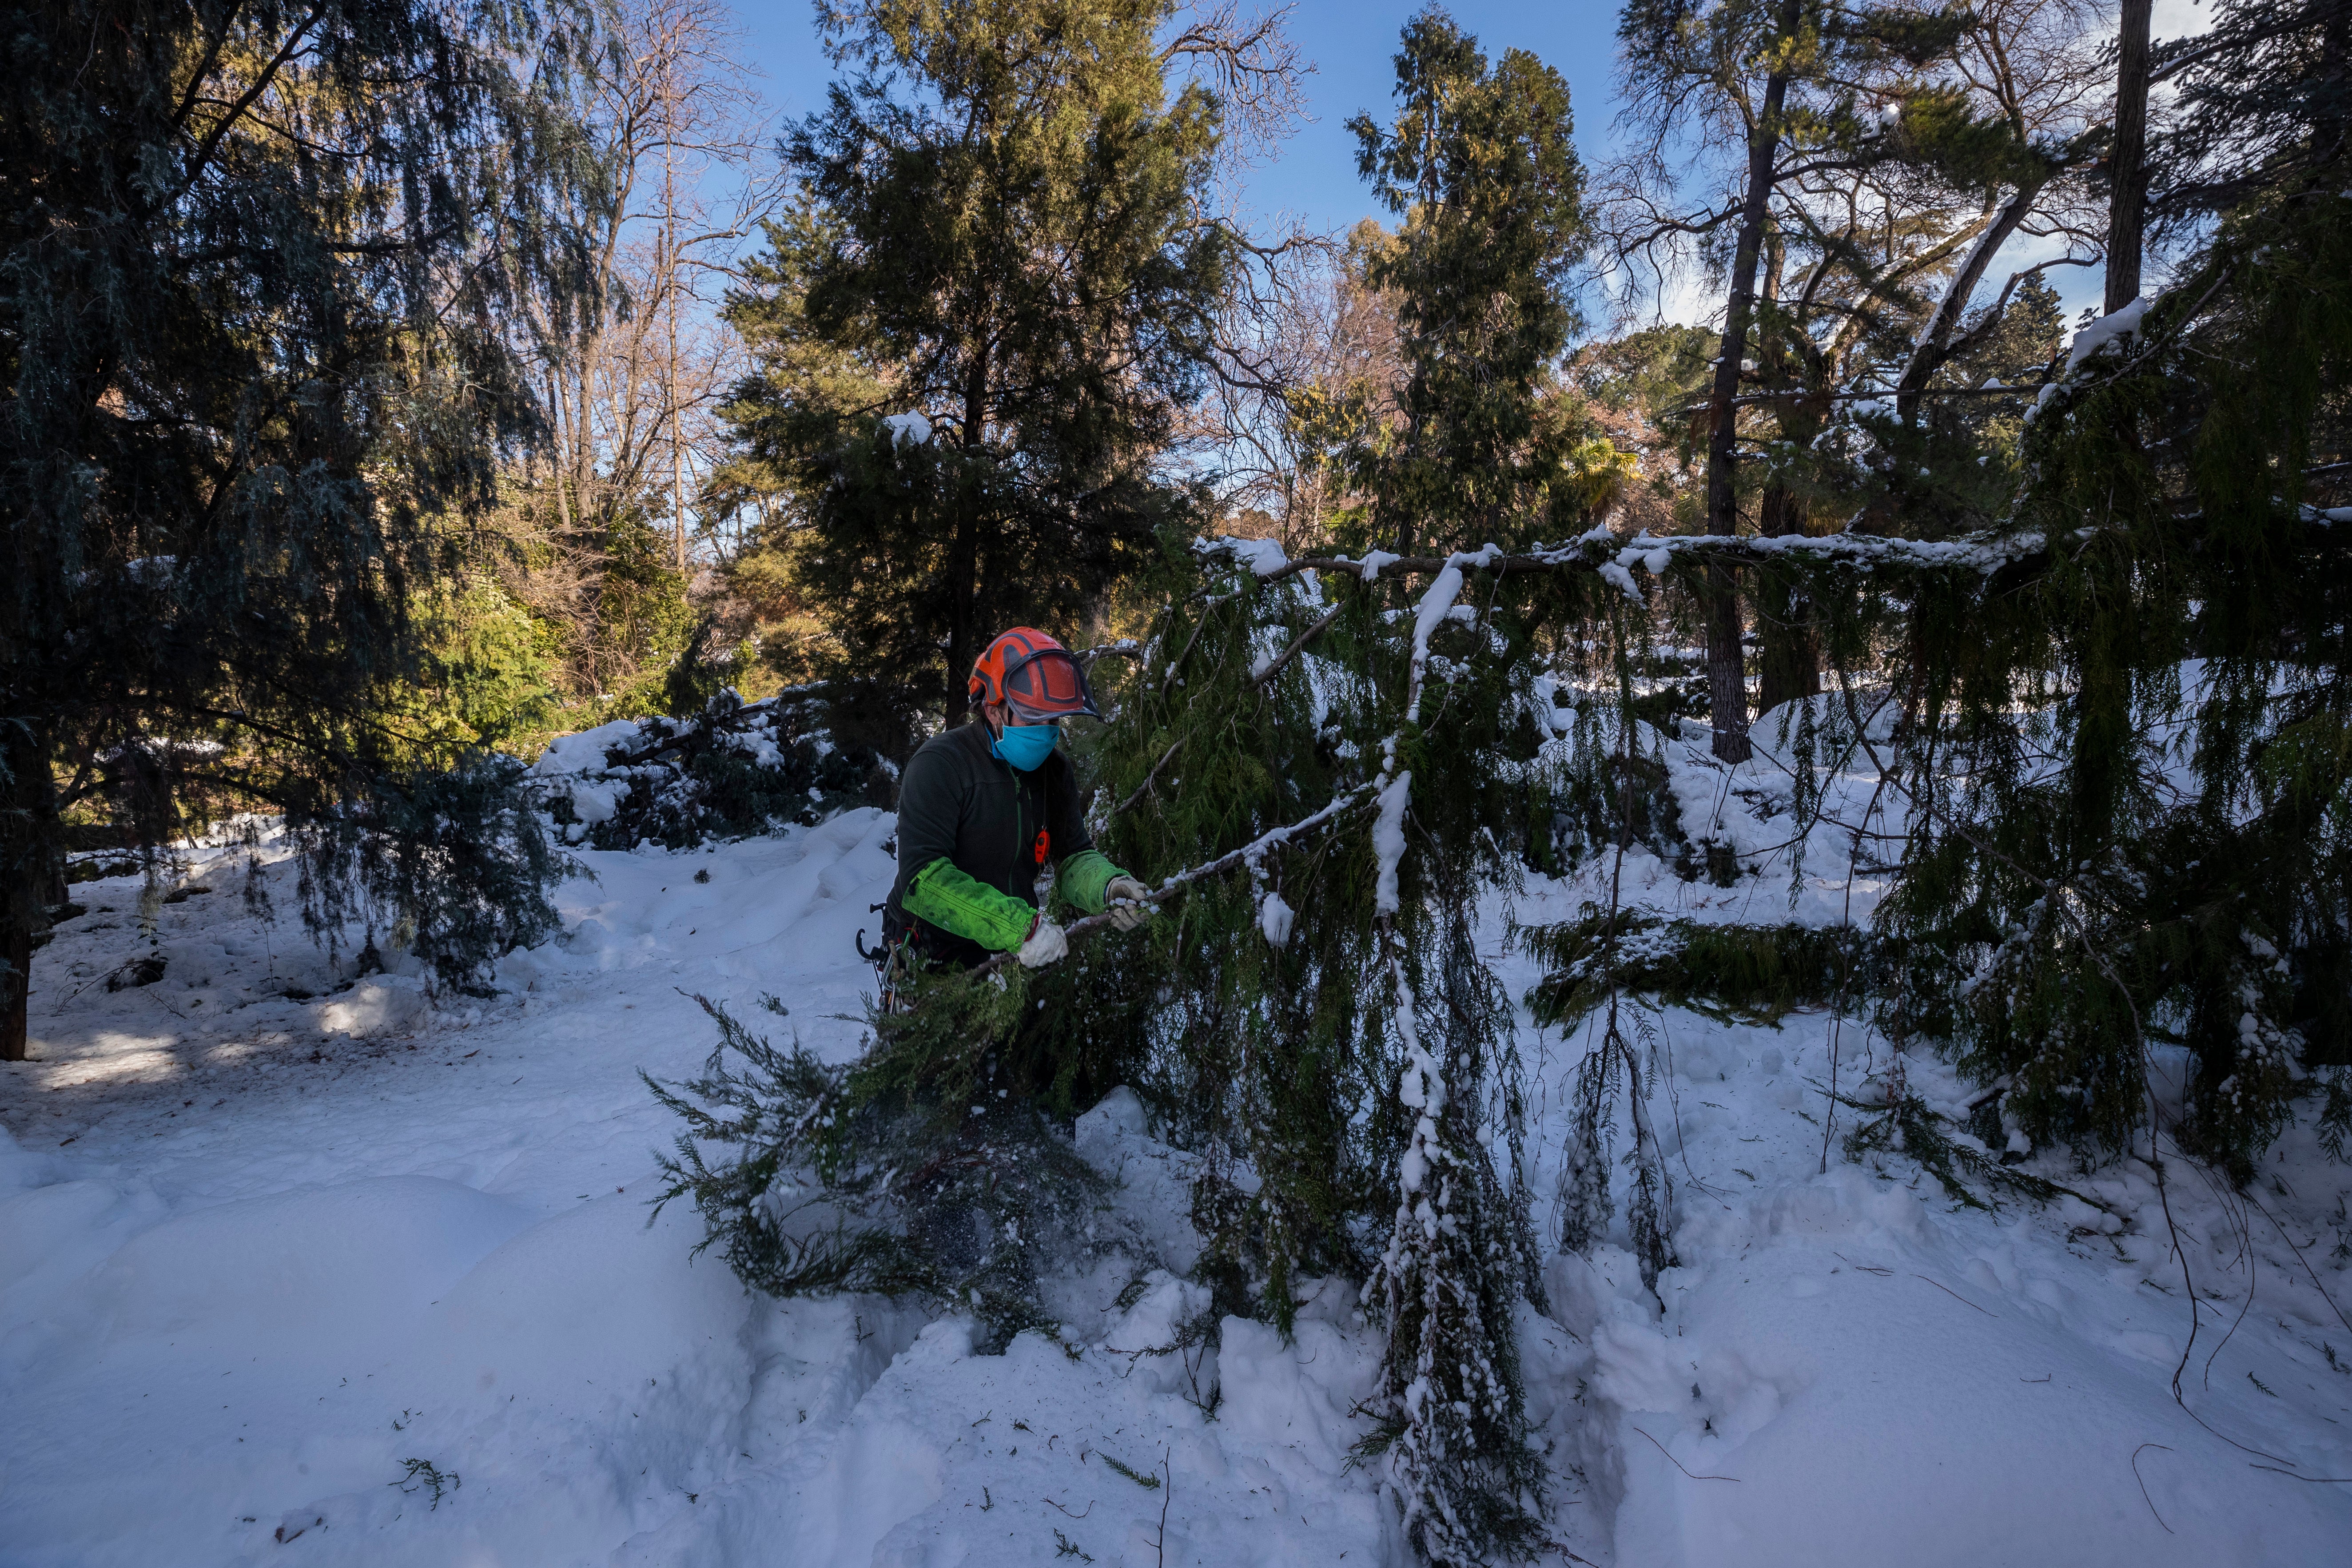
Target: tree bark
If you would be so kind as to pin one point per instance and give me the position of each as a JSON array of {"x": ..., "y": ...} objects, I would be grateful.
[
  {"x": 2128, "y": 201},
  {"x": 1790, "y": 655},
  {"x": 1933, "y": 349},
  {"x": 28, "y": 873},
  {"x": 2334, "y": 50},
  {"x": 1726, "y": 675},
  {"x": 15, "y": 991},
  {"x": 964, "y": 554}
]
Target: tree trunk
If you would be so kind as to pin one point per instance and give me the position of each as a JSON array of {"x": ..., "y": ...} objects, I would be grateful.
[
  {"x": 1790, "y": 662},
  {"x": 2334, "y": 50},
  {"x": 15, "y": 990},
  {"x": 1726, "y": 675},
  {"x": 28, "y": 873},
  {"x": 2127, "y": 203},
  {"x": 963, "y": 553},
  {"x": 1933, "y": 349}
]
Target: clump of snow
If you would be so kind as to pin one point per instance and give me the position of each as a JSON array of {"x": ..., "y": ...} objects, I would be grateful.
[
  {"x": 906, "y": 429},
  {"x": 387, "y": 1004},
  {"x": 587, "y": 750},
  {"x": 1274, "y": 918},
  {"x": 2107, "y": 331},
  {"x": 598, "y": 801},
  {"x": 1388, "y": 838},
  {"x": 1616, "y": 576},
  {"x": 1262, "y": 556},
  {"x": 1435, "y": 603}
]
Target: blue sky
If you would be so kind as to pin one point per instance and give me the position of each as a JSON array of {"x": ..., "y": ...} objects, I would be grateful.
[{"x": 1350, "y": 42}]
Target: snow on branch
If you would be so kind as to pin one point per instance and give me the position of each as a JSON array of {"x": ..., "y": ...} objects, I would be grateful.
[{"x": 1608, "y": 554}]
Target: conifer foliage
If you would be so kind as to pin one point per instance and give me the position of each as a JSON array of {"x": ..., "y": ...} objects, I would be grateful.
[
  {"x": 1479, "y": 166},
  {"x": 2108, "y": 730},
  {"x": 1000, "y": 244},
  {"x": 252, "y": 260}
]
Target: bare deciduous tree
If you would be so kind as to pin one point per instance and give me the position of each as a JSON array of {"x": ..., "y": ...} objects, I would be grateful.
[{"x": 630, "y": 380}]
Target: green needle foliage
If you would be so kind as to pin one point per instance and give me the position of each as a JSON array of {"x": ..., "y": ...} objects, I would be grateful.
[
  {"x": 2156, "y": 843},
  {"x": 914, "y": 1171},
  {"x": 2111, "y": 734},
  {"x": 254, "y": 261},
  {"x": 999, "y": 231},
  {"x": 1756, "y": 973},
  {"x": 1480, "y": 166}
]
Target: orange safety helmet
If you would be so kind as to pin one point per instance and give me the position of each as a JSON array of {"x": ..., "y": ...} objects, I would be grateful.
[{"x": 1034, "y": 675}]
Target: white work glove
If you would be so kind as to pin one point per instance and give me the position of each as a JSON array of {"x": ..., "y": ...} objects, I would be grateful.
[
  {"x": 1046, "y": 945},
  {"x": 1127, "y": 917}
]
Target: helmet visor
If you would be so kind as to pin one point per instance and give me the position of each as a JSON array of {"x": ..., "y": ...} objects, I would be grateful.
[{"x": 1048, "y": 685}]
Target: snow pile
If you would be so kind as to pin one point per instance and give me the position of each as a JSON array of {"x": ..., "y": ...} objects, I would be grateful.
[
  {"x": 1849, "y": 1368},
  {"x": 736, "y": 768},
  {"x": 387, "y": 1295},
  {"x": 422, "y": 1261}
]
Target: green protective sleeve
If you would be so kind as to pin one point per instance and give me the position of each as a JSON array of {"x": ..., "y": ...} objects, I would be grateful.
[
  {"x": 953, "y": 901},
  {"x": 1084, "y": 875}
]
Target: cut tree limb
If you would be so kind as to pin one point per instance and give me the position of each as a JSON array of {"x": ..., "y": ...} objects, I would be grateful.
[{"x": 1272, "y": 839}]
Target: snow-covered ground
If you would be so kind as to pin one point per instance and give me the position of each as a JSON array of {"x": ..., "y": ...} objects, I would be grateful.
[{"x": 359, "y": 1276}]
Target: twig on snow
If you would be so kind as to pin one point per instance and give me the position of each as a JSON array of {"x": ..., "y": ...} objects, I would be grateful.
[
  {"x": 1955, "y": 1295},
  {"x": 1677, "y": 1464},
  {"x": 2143, "y": 1484},
  {"x": 2290, "y": 1475},
  {"x": 2299, "y": 1257},
  {"x": 1169, "y": 1496}
]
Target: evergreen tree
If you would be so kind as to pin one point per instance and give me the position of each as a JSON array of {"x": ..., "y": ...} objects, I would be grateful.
[
  {"x": 1780, "y": 86},
  {"x": 1480, "y": 165},
  {"x": 1003, "y": 237},
  {"x": 247, "y": 380},
  {"x": 2207, "y": 600},
  {"x": 2115, "y": 725},
  {"x": 2264, "y": 108}
]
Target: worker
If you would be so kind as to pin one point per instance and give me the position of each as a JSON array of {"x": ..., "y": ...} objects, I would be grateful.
[{"x": 986, "y": 807}]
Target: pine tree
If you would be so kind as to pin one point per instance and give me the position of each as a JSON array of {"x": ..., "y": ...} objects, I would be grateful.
[
  {"x": 2208, "y": 599},
  {"x": 246, "y": 388},
  {"x": 1780, "y": 86},
  {"x": 2266, "y": 107},
  {"x": 1003, "y": 237},
  {"x": 1480, "y": 166},
  {"x": 2115, "y": 723}
]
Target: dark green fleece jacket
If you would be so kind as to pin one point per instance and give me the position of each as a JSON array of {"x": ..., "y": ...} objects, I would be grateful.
[{"x": 973, "y": 836}]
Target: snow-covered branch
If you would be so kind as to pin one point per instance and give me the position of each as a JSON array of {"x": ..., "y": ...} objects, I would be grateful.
[{"x": 1615, "y": 557}]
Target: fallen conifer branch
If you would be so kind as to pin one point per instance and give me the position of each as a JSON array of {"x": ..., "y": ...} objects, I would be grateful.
[
  {"x": 1272, "y": 839},
  {"x": 1601, "y": 551}
]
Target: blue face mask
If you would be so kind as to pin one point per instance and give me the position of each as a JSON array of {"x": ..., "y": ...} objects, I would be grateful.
[{"x": 1025, "y": 745}]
